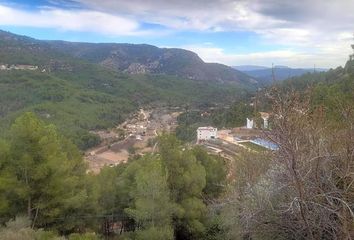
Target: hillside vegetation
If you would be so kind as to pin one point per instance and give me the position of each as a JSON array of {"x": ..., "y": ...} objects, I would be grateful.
[
  {"x": 265, "y": 75},
  {"x": 44, "y": 184},
  {"x": 306, "y": 190},
  {"x": 79, "y": 96},
  {"x": 302, "y": 191},
  {"x": 142, "y": 58}
]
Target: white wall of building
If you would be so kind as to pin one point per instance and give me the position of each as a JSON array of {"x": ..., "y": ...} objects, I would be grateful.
[
  {"x": 249, "y": 123},
  {"x": 265, "y": 123},
  {"x": 207, "y": 133}
]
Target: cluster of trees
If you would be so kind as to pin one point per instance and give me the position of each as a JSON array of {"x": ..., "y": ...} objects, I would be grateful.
[
  {"x": 44, "y": 184},
  {"x": 164, "y": 196},
  {"x": 234, "y": 116},
  {"x": 42, "y": 176}
]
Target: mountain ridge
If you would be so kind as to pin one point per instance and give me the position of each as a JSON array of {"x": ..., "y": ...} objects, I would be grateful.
[
  {"x": 145, "y": 58},
  {"x": 265, "y": 74},
  {"x": 124, "y": 57}
]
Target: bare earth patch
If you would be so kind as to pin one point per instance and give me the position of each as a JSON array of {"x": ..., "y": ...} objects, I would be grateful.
[
  {"x": 107, "y": 158},
  {"x": 141, "y": 127}
]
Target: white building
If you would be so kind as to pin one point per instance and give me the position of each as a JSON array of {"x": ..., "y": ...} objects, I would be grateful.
[
  {"x": 265, "y": 117},
  {"x": 252, "y": 124},
  {"x": 249, "y": 123},
  {"x": 206, "y": 133}
]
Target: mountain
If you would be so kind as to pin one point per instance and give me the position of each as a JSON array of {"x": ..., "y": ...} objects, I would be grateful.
[
  {"x": 265, "y": 76},
  {"x": 340, "y": 79},
  {"x": 128, "y": 58},
  {"x": 244, "y": 68},
  {"x": 78, "y": 95},
  {"x": 143, "y": 58}
]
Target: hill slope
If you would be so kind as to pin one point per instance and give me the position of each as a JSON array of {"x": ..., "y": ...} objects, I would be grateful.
[
  {"x": 128, "y": 58},
  {"x": 79, "y": 96},
  {"x": 142, "y": 58},
  {"x": 265, "y": 77}
]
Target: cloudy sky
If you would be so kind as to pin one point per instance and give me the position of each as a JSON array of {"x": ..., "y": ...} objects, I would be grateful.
[{"x": 234, "y": 32}]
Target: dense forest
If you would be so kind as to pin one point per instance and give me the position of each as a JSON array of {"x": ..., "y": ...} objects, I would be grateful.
[{"x": 93, "y": 98}]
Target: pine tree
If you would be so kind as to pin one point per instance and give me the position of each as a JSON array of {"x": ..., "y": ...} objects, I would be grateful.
[
  {"x": 49, "y": 173},
  {"x": 186, "y": 181},
  {"x": 152, "y": 209}
]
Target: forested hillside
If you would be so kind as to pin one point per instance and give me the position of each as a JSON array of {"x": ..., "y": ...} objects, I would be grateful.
[
  {"x": 279, "y": 73},
  {"x": 79, "y": 96},
  {"x": 129, "y": 58},
  {"x": 96, "y": 99},
  {"x": 135, "y": 59}
]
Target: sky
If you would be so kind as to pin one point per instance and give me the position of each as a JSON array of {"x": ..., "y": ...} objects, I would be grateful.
[{"x": 300, "y": 33}]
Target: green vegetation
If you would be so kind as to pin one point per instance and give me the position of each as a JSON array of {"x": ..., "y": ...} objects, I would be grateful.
[
  {"x": 78, "y": 96},
  {"x": 159, "y": 196},
  {"x": 230, "y": 117},
  {"x": 216, "y": 171},
  {"x": 143, "y": 58},
  {"x": 42, "y": 175},
  {"x": 20, "y": 229},
  {"x": 152, "y": 209},
  {"x": 235, "y": 116},
  {"x": 302, "y": 191},
  {"x": 254, "y": 147},
  {"x": 92, "y": 98}
]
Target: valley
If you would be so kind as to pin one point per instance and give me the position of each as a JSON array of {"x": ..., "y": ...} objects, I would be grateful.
[
  {"x": 135, "y": 136},
  {"x": 137, "y": 142},
  {"x": 105, "y": 96},
  {"x": 138, "y": 134}
]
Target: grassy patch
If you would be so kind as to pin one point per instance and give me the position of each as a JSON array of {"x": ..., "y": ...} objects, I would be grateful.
[{"x": 254, "y": 147}]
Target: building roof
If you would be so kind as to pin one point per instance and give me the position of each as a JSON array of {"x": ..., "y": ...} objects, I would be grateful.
[{"x": 264, "y": 114}]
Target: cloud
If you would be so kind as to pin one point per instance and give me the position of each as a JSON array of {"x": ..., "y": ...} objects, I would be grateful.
[
  {"x": 231, "y": 15},
  {"x": 313, "y": 26},
  {"x": 331, "y": 14},
  {"x": 71, "y": 20},
  {"x": 216, "y": 15},
  {"x": 290, "y": 57}
]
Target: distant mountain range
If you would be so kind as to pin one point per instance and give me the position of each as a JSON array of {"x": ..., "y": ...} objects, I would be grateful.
[
  {"x": 128, "y": 58},
  {"x": 143, "y": 58},
  {"x": 244, "y": 68},
  {"x": 265, "y": 75}
]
